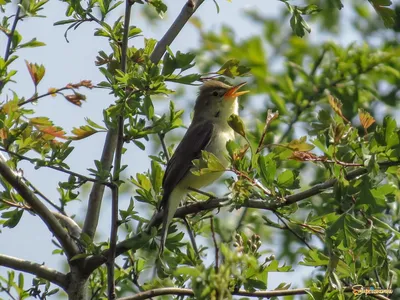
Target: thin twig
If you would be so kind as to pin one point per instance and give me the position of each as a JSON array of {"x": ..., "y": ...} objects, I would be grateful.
[
  {"x": 191, "y": 236},
  {"x": 215, "y": 245},
  {"x": 164, "y": 147},
  {"x": 34, "y": 161},
  {"x": 66, "y": 221},
  {"x": 254, "y": 182},
  {"x": 270, "y": 117},
  {"x": 36, "y": 191},
  {"x": 302, "y": 239},
  {"x": 8, "y": 293},
  {"x": 211, "y": 196},
  {"x": 35, "y": 98},
  {"x": 11, "y": 34},
  {"x": 241, "y": 219}
]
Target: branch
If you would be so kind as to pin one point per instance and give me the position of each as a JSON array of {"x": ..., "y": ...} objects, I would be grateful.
[
  {"x": 93, "y": 262},
  {"x": 187, "y": 11},
  {"x": 96, "y": 194},
  {"x": 117, "y": 163},
  {"x": 39, "y": 270},
  {"x": 286, "y": 226},
  {"x": 215, "y": 244},
  {"x": 60, "y": 169},
  {"x": 259, "y": 294},
  {"x": 66, "y": 221},
  {"x": 69, "y": 223},
  {"x": 44, "y": 213},
  {"x": 11, "y": 34}
]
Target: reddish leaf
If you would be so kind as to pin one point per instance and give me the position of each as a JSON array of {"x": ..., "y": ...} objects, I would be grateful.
[
  {"x": 366, "y": 119},
  {"x": 3, "y": 134},
  {"x": 76, "y": 99},
  {"x": 336, "y": 105},
  {"x": 53, "y": 131},
  {"x": 82, "y": 132},
  {"x": 36, "y": 71}
]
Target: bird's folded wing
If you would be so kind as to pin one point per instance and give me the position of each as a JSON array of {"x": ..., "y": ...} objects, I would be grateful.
[{"x": 196, "y": 139}]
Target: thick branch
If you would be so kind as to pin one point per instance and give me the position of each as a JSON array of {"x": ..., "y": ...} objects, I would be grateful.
[
  {"x": 96, "y": 194},
  {"x": 44, "y": 213},
  {"x": 187, "y": 11},
  {"x": 73, "y": 228},
  {"x": 39, "y": 270},
  {"x": 94, "y": 262}
]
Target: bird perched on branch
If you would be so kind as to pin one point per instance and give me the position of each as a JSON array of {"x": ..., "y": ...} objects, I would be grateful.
[{"x": 208, "y": 131}]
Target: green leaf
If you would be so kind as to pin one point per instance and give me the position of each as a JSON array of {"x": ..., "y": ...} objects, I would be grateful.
[
  {"x": 237, "y": 125},
  {"x": 300, "y": 145},
  {"x": 267, "y": 169},
  {"x": 13, "y": 217},
  {"x": 188, "y": 79},
  {"x": 208, "y": 163},
  {"x": 232, "y": 68},
  {"x": 286, "y": 179},
  {"x": 159, "y": 6}
]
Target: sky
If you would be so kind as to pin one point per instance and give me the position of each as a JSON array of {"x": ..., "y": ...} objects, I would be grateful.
[{"x": 74, "y": 61}]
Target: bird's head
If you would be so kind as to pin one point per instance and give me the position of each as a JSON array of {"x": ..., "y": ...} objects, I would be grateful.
[{"x": 217, "y": 100}]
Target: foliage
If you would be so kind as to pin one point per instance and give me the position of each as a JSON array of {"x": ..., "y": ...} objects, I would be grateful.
[{"x": 316, "y": 165}]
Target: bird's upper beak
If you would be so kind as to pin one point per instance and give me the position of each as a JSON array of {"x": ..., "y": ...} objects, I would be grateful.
[{"x": 233, "y": 93}]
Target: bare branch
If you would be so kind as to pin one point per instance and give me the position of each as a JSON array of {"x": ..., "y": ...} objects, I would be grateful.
[
  {"x": 39, "y": 270},
  {"x": 215, "y": 244},
  {"x": 187, "y": 11},
  {"x": 96, "y": 194},
  {"x": 11, "y": 34},
  {"x": 36, "y": 191},
  {"x": 44, "y": 213},
  {"x": 286, "y": 226},
  {"x": 191, "y": 236}
]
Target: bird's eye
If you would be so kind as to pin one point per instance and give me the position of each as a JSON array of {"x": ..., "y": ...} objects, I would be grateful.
[{"x": 215, "y": 94}]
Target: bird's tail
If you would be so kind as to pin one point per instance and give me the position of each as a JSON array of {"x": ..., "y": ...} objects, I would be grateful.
[{"x": 170, "y": 207}]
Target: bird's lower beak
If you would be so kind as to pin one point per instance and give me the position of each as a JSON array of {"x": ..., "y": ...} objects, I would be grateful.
[{"x": 233, "y": 93}]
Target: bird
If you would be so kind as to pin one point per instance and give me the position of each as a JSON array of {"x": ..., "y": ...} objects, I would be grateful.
[{"x": 209, "y": 131}]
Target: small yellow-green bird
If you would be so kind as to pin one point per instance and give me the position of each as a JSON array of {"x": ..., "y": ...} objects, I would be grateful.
[{"x": 208, "y": 131}]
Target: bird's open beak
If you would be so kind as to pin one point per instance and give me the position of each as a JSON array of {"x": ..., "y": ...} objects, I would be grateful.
[{"x": 233, "y": 93}]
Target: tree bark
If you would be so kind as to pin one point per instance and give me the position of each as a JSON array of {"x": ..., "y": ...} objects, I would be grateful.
[{"x": 77, "y": 288}]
